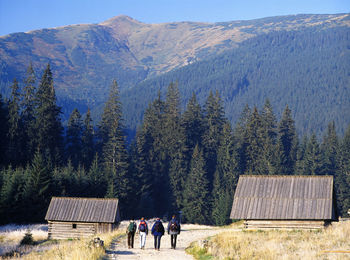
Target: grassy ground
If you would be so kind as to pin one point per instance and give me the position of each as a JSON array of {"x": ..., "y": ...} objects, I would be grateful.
[
  {"x": 331, "y": 243},
  {"x": 51, "y": 249}
]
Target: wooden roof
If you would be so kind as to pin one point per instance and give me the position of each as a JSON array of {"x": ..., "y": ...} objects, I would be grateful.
[
  {"x": 283, "y": 197},
  {"x": 82, "y": 210}
]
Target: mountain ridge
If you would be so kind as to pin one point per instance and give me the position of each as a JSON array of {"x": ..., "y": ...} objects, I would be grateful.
[{"x": 85, "y": 58}]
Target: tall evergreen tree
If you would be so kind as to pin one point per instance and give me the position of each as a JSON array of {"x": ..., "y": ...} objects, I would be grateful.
[
  {"x": 152, "y": 159},
  {"x": 48, "y": 123},
  {"x": 175, "y": 147},
  {"x": 287, "y": 143},
  {"x": 15, "y": 137},
  {"x": 240, "y": 137},
  {"x": 193, "y": 123},
  {"x": 312, "y": 163},
  {"x": 269, "y": 135},
  {"x": 225, "y": 179},
  {"x": 3, "y": 131},
  {"x": 214, "y": 122},
  {"x": 39, "y": 187},
  {"x": 343, "y": 176},
  {"x": 28, "y": 114},
  {"x": 74, "y": 138},
  {"x": 114, "y": 154},
  {"x": 196, "y": 193},
  {"x": 254, "y": 140},
  {"x": 87, "y": 139}
]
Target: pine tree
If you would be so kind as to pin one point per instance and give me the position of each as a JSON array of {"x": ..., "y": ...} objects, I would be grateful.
[
  {"x": 28, "y": 114},
  {"x": 152, "y": 159},
  {"x": 254, "y": 148},
  {"x": 174, "y": 145},
  {"x": 74, "y": 138},
  {"x": 225, "y": 178},
  {"x": 269, "y": 135},
  {"x": 15, "y": 137},
  {"x": 343, "y": 176},
  {"x": 312, "y": 163},
  {"x": 3, "y": 132},
  {"x": 214, "y": 122},
  {"x": 48, "y": 123},
  {"x": 196, "y": 194},
  {"x": 39, "y": 187},
  {"x": 114, "y": 154},
  {"x": 240, "y": 133},
  {"x": 193, "y": 123},
  {"x": 88, "y": 145},
  {"x": 287, "y": 143}
]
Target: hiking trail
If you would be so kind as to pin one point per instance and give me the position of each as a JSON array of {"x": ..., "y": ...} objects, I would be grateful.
[{"x": 189, "y": 233}]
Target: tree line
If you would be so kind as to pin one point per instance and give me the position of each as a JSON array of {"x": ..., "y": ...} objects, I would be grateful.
[{"x": 186, "y": 161}]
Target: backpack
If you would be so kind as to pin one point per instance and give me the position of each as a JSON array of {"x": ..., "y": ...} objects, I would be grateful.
[
  {"x": 142, "y": 227},
  {"x": 157, "y": 227},
  {"x": 131, "y": 227},
  {"x": 173, "y": 226}
]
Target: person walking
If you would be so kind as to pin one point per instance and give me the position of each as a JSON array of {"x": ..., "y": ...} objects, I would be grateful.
[
  {"x": 174, "y": 229},
  {"x": 143, "y": 231},
  {"x": 131, "y": 229},
  {"x": 157, "y": 232}
]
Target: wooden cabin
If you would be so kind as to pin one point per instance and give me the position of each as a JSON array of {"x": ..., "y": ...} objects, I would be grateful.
[
  {"x": 293, "y": 202},
  {"x": 81, "y": 217}
]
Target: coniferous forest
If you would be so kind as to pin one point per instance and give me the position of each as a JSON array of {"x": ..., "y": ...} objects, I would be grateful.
[{"x": 185, "y": 161}]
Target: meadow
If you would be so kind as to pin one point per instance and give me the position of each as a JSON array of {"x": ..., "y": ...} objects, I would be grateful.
[
  {"x": 11, "y": 236},
  {"x": 330, "y": 243}
]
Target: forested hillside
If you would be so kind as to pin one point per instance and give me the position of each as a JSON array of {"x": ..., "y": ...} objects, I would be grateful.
[
  {"x": 300, "y": 60},
  {"x": 188, "y": 161},
  {"x": 307, "y": 69}
]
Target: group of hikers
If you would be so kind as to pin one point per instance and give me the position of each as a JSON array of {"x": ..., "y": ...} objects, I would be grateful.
[{"x": 157, "y": 231}]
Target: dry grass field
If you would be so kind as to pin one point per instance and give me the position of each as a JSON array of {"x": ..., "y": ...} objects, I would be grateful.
[
  {"x": 10, "y": 237},
  {"x": 331, "y": 243}
]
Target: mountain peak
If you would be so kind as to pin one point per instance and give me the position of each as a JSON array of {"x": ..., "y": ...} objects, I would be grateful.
[{"x": 121, "y": 19}]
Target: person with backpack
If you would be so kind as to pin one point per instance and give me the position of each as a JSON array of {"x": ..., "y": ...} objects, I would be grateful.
[
  {"x": 143, "y": 231},
  {"x": 131, "y": 229},
  {"x": 174, "y": 229},
  {"x": 157, "y": 232}
]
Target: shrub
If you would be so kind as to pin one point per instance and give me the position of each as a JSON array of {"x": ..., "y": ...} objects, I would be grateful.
[{"x": 27, "y": 239}]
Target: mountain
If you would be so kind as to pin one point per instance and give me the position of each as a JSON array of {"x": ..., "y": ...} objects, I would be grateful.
[{"x": 246, "y": 61}]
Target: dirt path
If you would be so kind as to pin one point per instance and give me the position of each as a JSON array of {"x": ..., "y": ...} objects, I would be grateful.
[{"x": 189, "y": 233}]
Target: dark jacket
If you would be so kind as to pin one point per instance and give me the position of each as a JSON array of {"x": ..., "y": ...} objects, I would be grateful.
[
  {"x": 171, "y": 232},
  {"x": 160, "y": 231}
]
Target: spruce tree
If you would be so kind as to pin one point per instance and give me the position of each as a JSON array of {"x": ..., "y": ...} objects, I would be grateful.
[
  {"x": 175, "y": 147},
  {"x": 343, "y": 176},
  {"x": 87, "y": 139},
  {"x": 196, "y": 193},
  {"x": 47, "y": 119},
  {"x": 312, "y": 163},
  {"x": 15, "y": 130},
  {"x": 225, "y": 178},
  {"x": 269, "y": 135},
  {"x": 74, "y": 138},
  {"x": 193, "y": 123},
  {"x": 214, "y": 122},
  {"x": 254, "y": 141},
  {"x": 112, "y": 140},
  {"x": 3, "y": 132},
  {"x": 39, "y": 187},
  {"x": 28, "y": 114},
  {"x": 287, "y": 143}
]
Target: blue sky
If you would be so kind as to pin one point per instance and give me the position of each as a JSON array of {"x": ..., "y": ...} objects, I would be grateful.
[{"x": 26, "y": 15}]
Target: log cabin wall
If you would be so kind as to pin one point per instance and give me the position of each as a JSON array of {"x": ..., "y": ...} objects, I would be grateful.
[{"x": 65, "y": 230}]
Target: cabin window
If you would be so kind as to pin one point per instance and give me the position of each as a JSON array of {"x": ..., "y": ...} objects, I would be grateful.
[{"x": 74, "y": 226}]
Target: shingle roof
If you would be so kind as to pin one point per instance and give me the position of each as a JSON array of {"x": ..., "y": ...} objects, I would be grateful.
[
  {"x": 283, "y": 197},
  {"x": 82, "y": 210}
]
